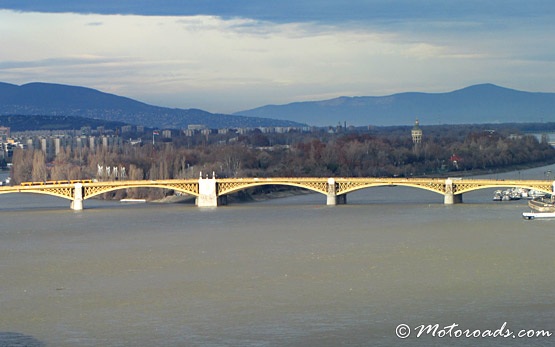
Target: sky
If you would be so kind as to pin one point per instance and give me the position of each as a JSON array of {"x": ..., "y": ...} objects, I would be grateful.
[{"x": 227, "y": 56}]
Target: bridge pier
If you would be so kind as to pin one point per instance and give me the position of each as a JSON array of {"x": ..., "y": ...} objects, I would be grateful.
[
  {"x": 332, "y": 197},
  {"x": 77, "y": 203},
  {"x": 450, "y": 197},
  {"x": 333, "y": 200},
  {"x": 208, "y": 195}
]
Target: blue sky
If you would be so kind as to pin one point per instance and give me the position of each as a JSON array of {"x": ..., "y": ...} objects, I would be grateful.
[{"x": 226, "y": 56}]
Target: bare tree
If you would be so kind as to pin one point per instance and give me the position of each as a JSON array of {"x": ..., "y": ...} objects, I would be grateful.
[
  {"x": 22, "y": 170},
  {"x": 39, "y": 167}
]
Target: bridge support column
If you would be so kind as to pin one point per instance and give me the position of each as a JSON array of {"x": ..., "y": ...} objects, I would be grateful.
[
  {"x": 208, "y": 195},
  {"x": 450, "y": 197},
  {"x": 332, "y": 197},
  {"x": 333, "y": 200},
  {"x": 77, "y": 203}
]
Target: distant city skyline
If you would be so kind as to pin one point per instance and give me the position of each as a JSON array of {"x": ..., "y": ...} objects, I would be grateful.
[{"x": 230, "y": 56}]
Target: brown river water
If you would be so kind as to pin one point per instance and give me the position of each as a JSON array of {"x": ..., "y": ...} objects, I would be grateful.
[{"x": 284, "y": 272}]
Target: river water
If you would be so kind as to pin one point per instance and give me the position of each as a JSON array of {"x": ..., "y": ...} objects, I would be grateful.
[{"x": 284, "y": 272}]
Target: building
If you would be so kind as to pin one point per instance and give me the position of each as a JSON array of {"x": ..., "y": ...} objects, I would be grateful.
[
  {"x": 416, "y": 133},
  {"x": 92, "y": 143},
  {"x": 86, "y": 131},
  {"x": 196, "y": 126},
  {"x": 4, "y": 133},
  {"x": 126, "y": 129},
  {"x": 166, "y": 134},
  {"x": 57, "y": 145},
  {"x": 189, "y": 132}
]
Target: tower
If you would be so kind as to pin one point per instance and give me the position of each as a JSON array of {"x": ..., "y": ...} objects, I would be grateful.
[{"x": 416, "y": 133}]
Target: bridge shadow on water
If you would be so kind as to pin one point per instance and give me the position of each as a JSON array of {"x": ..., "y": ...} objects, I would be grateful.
[{"x": 11, "y": 339}]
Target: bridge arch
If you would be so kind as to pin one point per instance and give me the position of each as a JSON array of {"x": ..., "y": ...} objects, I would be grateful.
[
  {"x": 497, "y": 186},
  {"x": 68, "y": 195},
  {"x": 93, "y": 191},
  {"x": 245, "y": 186},
  {"x": 438, "y": 189}
]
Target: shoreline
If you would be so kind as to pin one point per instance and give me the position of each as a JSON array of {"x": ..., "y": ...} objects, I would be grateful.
[{"x": 242, "y": 197}]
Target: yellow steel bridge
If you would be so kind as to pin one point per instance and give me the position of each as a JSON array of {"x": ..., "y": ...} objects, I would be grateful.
[{"x": 213, "y": 191}]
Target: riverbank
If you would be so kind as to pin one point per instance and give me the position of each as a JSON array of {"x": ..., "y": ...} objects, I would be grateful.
[
  {"x": 242, "y": 196},
  {"x": 491, "y": 171}
]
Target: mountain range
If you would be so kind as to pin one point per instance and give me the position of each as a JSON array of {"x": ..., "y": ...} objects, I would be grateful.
[
  {"x": 47, "y": 99},
  {"x": 482, "y": 103}
]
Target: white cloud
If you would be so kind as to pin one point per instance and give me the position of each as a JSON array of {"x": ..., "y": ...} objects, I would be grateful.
[{"x": 227, "y": 65}]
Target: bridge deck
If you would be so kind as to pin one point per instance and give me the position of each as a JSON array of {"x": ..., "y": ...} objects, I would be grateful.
[{"x": 339, "y": 186}]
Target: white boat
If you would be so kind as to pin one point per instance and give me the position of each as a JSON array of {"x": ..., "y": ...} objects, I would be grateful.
[
  {"x": 532, "y": 194},
  {"x": 534, "y": 215},
  {"x": 132, "y": 200}
]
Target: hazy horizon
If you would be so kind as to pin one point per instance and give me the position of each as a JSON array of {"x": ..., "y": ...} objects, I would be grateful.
[{"x": 225, "y": 58}]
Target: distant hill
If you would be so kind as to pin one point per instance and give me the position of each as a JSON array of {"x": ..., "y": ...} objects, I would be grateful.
[
  {"x": 63, "y": 100},
  {"x": 483, "y": 103}
]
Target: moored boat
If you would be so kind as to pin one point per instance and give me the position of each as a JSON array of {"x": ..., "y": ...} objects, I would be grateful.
[
  {"x": 514, "y": 193},
  {"x": 533, "y": 194},
  {"x": 542, "y": 204}
]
